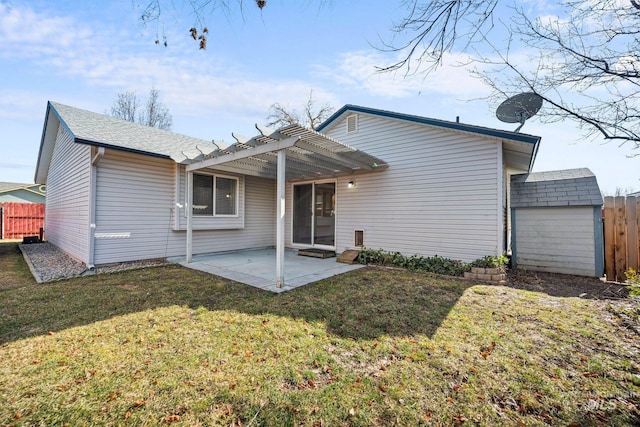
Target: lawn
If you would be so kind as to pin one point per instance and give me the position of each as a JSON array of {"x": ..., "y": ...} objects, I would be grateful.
[{"x": 375, "y": 347}]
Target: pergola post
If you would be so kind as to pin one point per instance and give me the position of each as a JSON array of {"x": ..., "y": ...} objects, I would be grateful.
[
  {"x": 280, "y": 194},
  {"x": 189, "y": 208}
]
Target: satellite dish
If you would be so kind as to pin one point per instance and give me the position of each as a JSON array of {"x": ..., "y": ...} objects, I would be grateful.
[{"x": 519, "y": 108}]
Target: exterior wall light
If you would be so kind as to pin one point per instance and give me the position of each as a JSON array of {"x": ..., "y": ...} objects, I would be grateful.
[{"x": 351, "y": 184}]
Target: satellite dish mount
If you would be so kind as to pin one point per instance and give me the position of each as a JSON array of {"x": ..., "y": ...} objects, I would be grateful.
[{"x": 519, "y": 108}]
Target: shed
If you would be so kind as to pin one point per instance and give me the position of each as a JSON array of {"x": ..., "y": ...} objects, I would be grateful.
[{"x": 556, "y": 222}]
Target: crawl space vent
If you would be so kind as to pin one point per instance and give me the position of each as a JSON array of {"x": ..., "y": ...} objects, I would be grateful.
[{"x": 358, "y": 238}]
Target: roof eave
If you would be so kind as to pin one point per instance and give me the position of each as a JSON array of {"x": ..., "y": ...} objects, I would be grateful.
[
  {"x": 39, "y": 175},
  {"x": 496, "y": 133},
  {"x": 120, "y": 148}
]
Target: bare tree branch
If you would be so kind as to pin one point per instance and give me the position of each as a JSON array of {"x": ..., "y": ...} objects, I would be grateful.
[
  {"x": 280, "y": 115},
  {"x": 156, "y": 114},
  {"x": 583, "y": 62},
  {"x": 126, "y": 106}
]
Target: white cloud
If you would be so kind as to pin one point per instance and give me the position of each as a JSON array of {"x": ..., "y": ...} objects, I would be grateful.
[
  {"x": 190, "y": 83},
  {"x": 357, "y": 70},
  {"x": 20, "y": 105}
]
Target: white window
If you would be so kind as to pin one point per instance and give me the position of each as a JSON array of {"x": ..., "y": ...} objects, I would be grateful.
[{"x": 215, "y": 195}]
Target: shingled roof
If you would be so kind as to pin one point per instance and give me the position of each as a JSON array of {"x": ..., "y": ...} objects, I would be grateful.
[
  {"x": 7, "y": 186},
  {"x": 570, "y": 187},
  {"x": 102, "y": 130}
]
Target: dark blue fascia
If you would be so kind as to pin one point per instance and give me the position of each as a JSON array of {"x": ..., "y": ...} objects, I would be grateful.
[
  {"x": 119, "y": 148},
  {"x": 521, "y": 137}
]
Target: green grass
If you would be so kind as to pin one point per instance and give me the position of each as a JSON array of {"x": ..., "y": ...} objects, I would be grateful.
[{"x": 374, "y": 347}]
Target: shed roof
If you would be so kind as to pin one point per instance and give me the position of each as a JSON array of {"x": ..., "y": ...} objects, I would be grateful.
[{"x": 570, "y": 187}]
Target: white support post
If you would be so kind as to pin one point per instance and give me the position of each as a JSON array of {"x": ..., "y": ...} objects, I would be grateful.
[
  {"x": 282, "y": 158},
  {"x": 188, "y": 206}
]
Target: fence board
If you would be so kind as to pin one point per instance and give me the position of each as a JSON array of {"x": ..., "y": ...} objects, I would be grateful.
[
  {"x": 632, "y": 231},
  {"x": 609, "y": 237},
  {"x": 621, "y": 236},
  {"x": 22, "y": 219}
]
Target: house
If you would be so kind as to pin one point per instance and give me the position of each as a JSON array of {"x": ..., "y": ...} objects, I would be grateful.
[
  {"x": 22, "y": 193},
  {"x": 557, "y": 222},
  {"x": 118, "y": 191}
]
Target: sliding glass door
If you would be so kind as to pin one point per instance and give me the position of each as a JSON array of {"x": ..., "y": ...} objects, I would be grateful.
[{"x": 314, "y": 220}]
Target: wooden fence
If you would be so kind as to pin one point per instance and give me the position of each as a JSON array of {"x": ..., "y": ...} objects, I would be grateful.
[
  {"x": 21, "y": 219},
  {"x": 621, "y": 236}
]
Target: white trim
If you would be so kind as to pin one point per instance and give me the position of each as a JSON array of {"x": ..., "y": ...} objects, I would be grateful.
[
  {"x": 93, "y": 189},
  {"x": 187, "y": 205},
  {"x": 280, "y": 219}
]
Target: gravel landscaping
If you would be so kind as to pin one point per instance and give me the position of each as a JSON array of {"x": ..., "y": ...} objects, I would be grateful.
[{"x": 48, "y": 263}]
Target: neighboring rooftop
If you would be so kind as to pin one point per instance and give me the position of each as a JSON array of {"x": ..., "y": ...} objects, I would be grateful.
[
  {"x": 6, "y": 186},
  {"x": 570, "y": 187}
]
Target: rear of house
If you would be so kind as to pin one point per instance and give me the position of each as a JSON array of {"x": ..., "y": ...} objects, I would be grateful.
[
  {"x": 118, "y": 191},
  {"x": 444, "y": 192}
]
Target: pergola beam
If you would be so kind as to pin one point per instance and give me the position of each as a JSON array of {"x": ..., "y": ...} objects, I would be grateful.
[{"x": 243, "y": 154}]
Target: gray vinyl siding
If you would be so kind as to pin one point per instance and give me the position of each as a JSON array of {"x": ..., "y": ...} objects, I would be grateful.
[
  {"x": 442, "y": 193},
  {"x": 136, "y": 208},
  {"x": 67, "y": 222},
  {"x": 557, "y": 240}
]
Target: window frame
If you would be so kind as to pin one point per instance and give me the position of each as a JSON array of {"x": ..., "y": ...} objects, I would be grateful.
[{"x": 215, "y": 177}]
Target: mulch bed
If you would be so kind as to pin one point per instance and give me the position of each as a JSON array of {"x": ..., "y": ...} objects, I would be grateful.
[{"x": 565, "y": 285}]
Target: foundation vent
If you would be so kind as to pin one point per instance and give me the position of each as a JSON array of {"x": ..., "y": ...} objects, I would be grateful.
[{"x": 358, "y": 238}]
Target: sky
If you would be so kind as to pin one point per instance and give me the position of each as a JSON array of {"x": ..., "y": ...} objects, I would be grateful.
[{"x": 83, "y": 53}]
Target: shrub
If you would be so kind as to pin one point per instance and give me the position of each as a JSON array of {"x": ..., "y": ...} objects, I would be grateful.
[
  {"x": 491, "y": 261},
  {"x": 435, "y": 264},
  {"x": 633, "y": 276}
]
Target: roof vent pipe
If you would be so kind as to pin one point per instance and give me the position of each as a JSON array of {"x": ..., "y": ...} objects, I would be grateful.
[{"x": 457, "y": 119}]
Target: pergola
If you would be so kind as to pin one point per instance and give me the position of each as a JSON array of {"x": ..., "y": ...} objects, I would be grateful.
[{"x": 291, "y": 153}]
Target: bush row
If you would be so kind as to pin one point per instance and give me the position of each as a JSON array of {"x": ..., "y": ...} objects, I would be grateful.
[{"x": 433, "y": 264}]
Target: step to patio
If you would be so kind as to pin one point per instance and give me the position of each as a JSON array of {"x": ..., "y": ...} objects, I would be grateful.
[
  {"x": 349, "y": 256},
  {"x": 316, "y": 253}
]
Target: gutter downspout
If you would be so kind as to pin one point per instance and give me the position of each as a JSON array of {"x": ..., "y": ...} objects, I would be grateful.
[{"x": 92, "y": 205}]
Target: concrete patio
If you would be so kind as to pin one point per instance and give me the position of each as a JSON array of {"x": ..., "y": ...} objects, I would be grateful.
[{"x": 258, "y": 268}]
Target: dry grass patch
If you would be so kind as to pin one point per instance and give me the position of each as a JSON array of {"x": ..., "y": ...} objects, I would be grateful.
[{"x": 370, "y": 348}]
